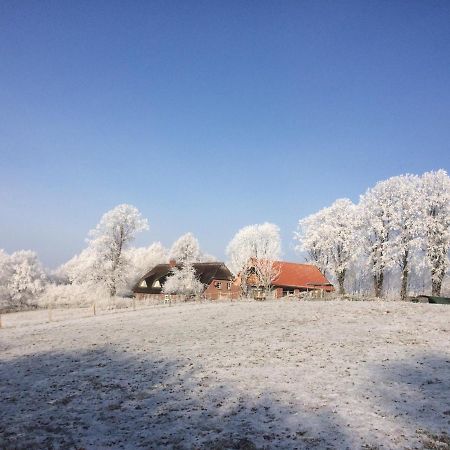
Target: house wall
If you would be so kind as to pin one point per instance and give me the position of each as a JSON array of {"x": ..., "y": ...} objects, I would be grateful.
[
  {"x": 212, "y": 292},
  {"x": 278, "y": 292},
  {"x": 281, "y": 291}
]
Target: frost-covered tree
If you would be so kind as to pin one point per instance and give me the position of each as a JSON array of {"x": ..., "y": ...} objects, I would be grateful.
[
  {"x": 186, "y": 249},
  {"x": 375, "y": 225},
  {"x": 255, "y": 247},
  {"x": 314, "y": 251},
  {"x": 108, "y": 241},
  {"x": 78, "y": 270},
  {"x": 27, "y": 277},
  {"x": 405, "y": 223},
  {"x": 183, "y": 281},
  {"x": 401, "y": 226},
  {"x": 143, "y": 259},
  {"x": 328, "y": 236},
  {"x": 4, "y": 267},
  {"x": 5, "y": 275},
  {"x": 435, "y": 198}
]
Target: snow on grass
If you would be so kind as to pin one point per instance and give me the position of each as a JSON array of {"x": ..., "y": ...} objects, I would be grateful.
[{"x": 231, "y": 375}]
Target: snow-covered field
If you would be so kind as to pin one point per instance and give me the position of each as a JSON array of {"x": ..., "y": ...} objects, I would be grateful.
[{"x": 231, "y": 375}]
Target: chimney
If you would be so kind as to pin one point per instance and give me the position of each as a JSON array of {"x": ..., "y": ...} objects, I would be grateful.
[{"x": 172, "y": 263}]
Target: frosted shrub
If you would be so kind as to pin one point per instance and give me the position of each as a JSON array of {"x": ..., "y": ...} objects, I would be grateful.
[
  {"x": 22, "y": 279},
  {"x": 70, "y": 296}
]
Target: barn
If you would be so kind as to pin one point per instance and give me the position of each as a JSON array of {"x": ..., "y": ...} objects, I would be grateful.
[{"x": 292, "y": 279}]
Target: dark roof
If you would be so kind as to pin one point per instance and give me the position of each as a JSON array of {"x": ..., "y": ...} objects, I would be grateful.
[{"x": 206, "y": 272}]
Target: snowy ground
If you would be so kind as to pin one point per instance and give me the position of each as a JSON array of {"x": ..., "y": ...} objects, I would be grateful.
[{"x": 232, "y": 375}]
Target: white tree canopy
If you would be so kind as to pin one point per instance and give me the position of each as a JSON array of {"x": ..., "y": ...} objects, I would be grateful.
[
  {"x": 376, "y": 215},
  {"x": 78, "y": 269},
  {"x": 435, "y": 197},
  {"x": 116, "y": 229},
  {"x": 143, "y": 259},
  {"x": 404, "y": 224},
  {"x": 27, "y": 277},
  {"x": 255, "y": 246},
  {"x": 254, "y": 242},
  {"x": 400, "y": 225},
  {"x": 329, "y": 238},
  {"x": 186, "y": 249}
]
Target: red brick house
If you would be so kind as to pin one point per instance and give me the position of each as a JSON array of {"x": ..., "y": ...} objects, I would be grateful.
[
  {"x": 215, "y": 276},
  {"x": 293, "y": 278}
]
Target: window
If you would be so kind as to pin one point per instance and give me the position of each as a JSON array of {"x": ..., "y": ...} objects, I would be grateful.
[
  {"x": 218, "y": 285},
  {"x": 143, "y": 284},
  {"x": 229, "y": 286}
]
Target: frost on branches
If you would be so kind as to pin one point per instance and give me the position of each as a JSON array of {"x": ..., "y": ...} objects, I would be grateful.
[
  {"x": 22, "y": 278},
  {"x": 400, "y": 226},
  {"x": 402, "y": 215},
  {"x": 78, "y": 269},
  {"x": 435, "y": 195},
  {"x": 186, "y": 249},
  {"x": 109, "y": 240},
  {"x": 183, "y": 281},
  {"x": 404, "y": 225},
  {"x": 328, "y": 237},
  {"x": 255, "y": 247},
  {"x": 142, "y": 259},
  {"x": 376, "y": 215}
]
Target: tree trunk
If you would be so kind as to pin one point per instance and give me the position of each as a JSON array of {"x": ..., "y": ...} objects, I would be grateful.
[
  {"x": 405, "y": 274},
  {"x": 378, "y": 284},
  {"x": 437, "y": 275},
  {"x": 244, "y": 285},
  {"x": 341, "y": 279},
  {"x": 404, "y": 288},
  {"x": 436, "y": 287}
]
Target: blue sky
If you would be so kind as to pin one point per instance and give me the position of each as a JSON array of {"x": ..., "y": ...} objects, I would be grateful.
[{"x": 209, "y": 116}]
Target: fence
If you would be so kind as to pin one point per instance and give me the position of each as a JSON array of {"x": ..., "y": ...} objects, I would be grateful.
[
  {"x": 99, "y": 308},
  {"x": 116, "y": 305}
]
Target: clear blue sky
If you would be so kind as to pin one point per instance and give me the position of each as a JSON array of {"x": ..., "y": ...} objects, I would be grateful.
[{"x": 211, "y": 115}]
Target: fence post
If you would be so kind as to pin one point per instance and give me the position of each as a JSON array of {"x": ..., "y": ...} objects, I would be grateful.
[
  {"x": 0, "y": 321},
  {"x": 134, "y": 304},
  {"x": 95, "y": 313}
]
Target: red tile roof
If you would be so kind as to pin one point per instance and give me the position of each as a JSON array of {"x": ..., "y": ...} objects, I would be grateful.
[{"x": 300, "y": 276}]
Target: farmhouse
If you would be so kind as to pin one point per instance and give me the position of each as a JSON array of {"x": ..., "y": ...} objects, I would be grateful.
[
  {"x": 292, "y": 278},
  {"x": 215, "y": 276}
]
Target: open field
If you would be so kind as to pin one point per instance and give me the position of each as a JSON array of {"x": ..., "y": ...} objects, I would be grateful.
[{"x": 231, "y": 375}]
